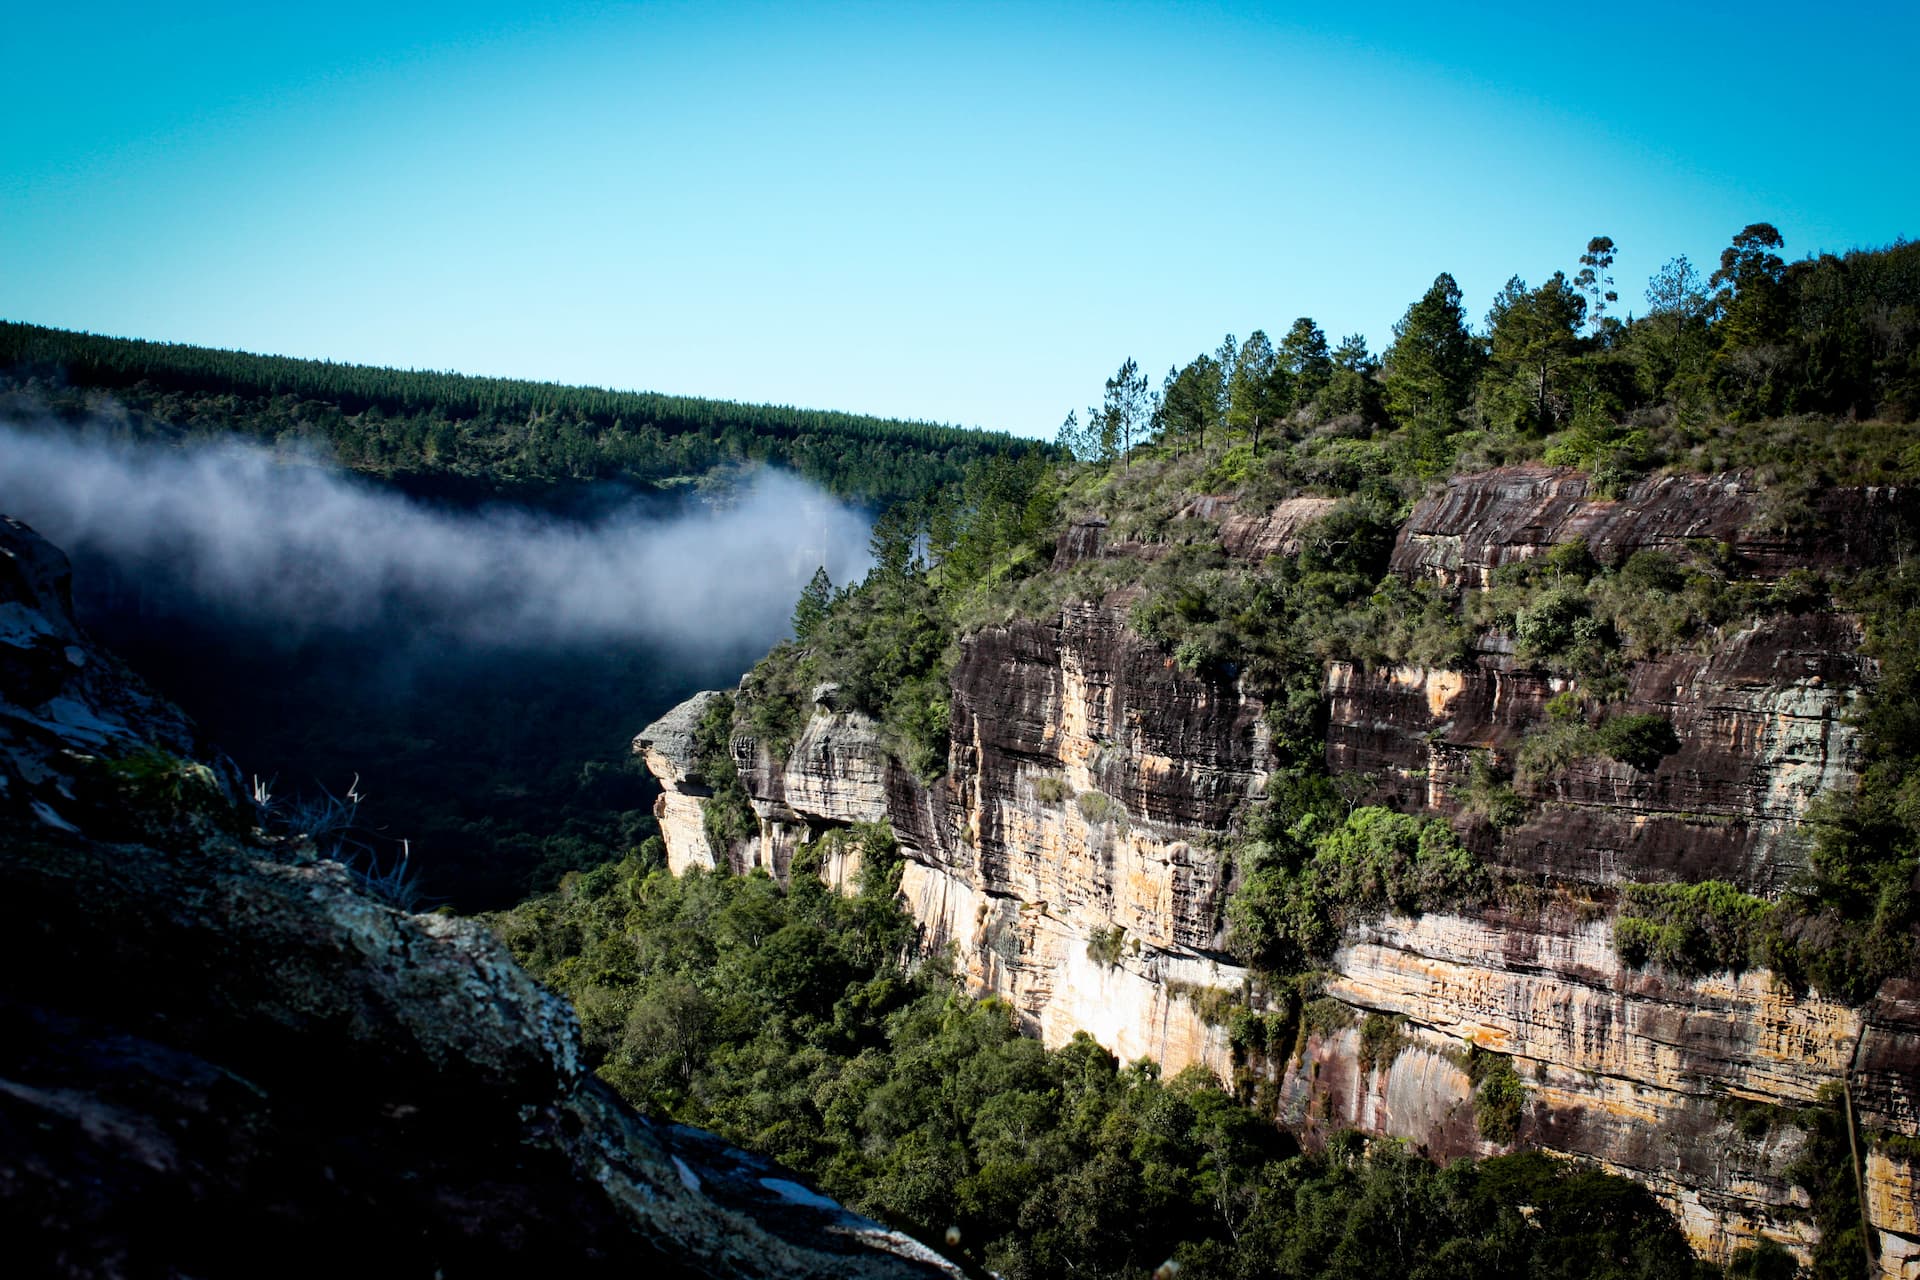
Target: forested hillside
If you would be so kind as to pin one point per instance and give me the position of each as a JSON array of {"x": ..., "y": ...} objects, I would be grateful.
[
  {"x": 1239, "y": 520},
  {"x": 808, "y": 1025},
  {"x": 498, "y": 431},
  {"x": 1802, "y": 377}
]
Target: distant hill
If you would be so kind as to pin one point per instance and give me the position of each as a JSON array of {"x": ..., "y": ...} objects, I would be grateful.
[{"x": 452, "y": 427}]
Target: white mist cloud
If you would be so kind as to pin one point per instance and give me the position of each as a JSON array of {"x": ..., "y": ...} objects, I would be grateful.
[{"x": 284, "y": 539}]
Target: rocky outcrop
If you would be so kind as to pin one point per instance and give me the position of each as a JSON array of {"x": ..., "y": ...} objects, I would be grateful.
[
  {"x": 1071, "y": 857},
  {"x": 1761, "y": 721},
  {"x": 1255, "y": 535},
  {"x": 66, "y": 702},
  {"x": 1893, "y": 1200},
  {"x": 1089, "y": 787},
  {"x": 220, "y": 1055},
  {"x": 667, "y": 746},
  {"x": 1630, "y": 1069},
  {"x": 1480, "y": 522}
]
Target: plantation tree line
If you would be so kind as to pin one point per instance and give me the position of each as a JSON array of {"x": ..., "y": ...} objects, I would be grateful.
[{"x": 402, "y": 422}]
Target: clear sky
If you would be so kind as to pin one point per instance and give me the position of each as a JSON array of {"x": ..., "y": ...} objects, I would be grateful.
[{"x": 965, "y": 213}]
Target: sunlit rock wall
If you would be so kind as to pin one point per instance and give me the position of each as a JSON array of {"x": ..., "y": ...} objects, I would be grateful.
[{"x": 1092, "y": 786}]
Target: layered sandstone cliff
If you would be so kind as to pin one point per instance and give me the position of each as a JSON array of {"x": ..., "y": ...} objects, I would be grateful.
[{"x": 1072, "y": 855}]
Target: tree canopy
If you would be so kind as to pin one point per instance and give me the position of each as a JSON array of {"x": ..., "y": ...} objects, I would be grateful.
[{"x": 497, "y": 430}]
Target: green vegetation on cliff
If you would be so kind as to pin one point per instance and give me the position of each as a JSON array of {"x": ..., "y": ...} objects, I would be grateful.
[
  {"x": 1571, "y": 615},
  {"x": 885, "y": 644},
  {"x": 1304, "y": 886},
  {"x": 1847, "y": 924},
  {"x": 1750, "y": 369},
  {"x": 798, "y": 1023},
  {"x": 792, "y": 1023}
]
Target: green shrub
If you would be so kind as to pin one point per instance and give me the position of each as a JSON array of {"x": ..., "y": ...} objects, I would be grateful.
[
  {"x": 1901, "y": 1146},
  {"x": 1766, "y": 1260},
  {"x": 881, "y": 861},
  {"x": 1498, "y": 1096},
  {"x": 1050, "y": 788},
  {"x": 157, "y": 785},
  {"x": 1382, "y": 859},
  {"x": 1554, "y": 624},
  {"x": 1695, "y": 928},
  {"x": 1549, "y": 748},
  {"x": 1246, "y": 1034},
  {"x": 1214, "y": 1006},
  {"x": 1571, "y": 560},
  {"x": 1382, "y": 1037},
  {"x": 1324, "y": 1016},
  {"x": 1299, "y": 895},
  {"x": 1488, "y": 795},
  {"x": 1641, "y": 741},
  {"x": 1564, "y": 707},
  {"x": 1104, "y": 946},
  {"x": 1097, "y": 807},
  {"x": 1753, "y": 1120},
  {"x": 1262, "y": 1035}
]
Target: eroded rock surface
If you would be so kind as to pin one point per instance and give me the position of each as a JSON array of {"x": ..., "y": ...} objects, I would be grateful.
[
  {"x": 1761, "y": 720},
  {"x": 1092, "y": 785},
  {"x": 1480, "y": 522}
]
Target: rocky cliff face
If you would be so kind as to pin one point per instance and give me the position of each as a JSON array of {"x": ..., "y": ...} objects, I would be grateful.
[
  {"x": 1762, "y": 729},
  {"x": 1071, "y": 855},
  {"x": 221, "y": 1056},
  {"x": 1482, "y": 522}
]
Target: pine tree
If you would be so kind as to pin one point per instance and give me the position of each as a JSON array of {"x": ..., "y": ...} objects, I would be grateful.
[
  {"x": 812, "y": 608},
  {"x": 1304, "y": 354},
  {"x": 1430, "y": 368},
  {"x": 1534, "y": 334}
]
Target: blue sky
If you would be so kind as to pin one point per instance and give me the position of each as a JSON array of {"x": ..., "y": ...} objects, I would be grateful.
[{"x": 963, "y": 213}]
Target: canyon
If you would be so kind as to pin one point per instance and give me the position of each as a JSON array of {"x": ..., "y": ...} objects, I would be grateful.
[
  {"x": 224, "y": 1052},
  {"x": 1073, "y": 857}
]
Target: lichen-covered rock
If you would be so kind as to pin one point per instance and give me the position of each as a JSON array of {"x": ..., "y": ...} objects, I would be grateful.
[
  {"x": 219, "y": 1056},
  {"x": 1276, "y": 532},
  {"x": 667, "y": 745},
  {"x": 837, "y": 771}
]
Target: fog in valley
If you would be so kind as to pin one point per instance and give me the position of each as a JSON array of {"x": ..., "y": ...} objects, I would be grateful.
[
  {"x": 480, "y": 666},
  {"x": 280, "y": 538}
]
